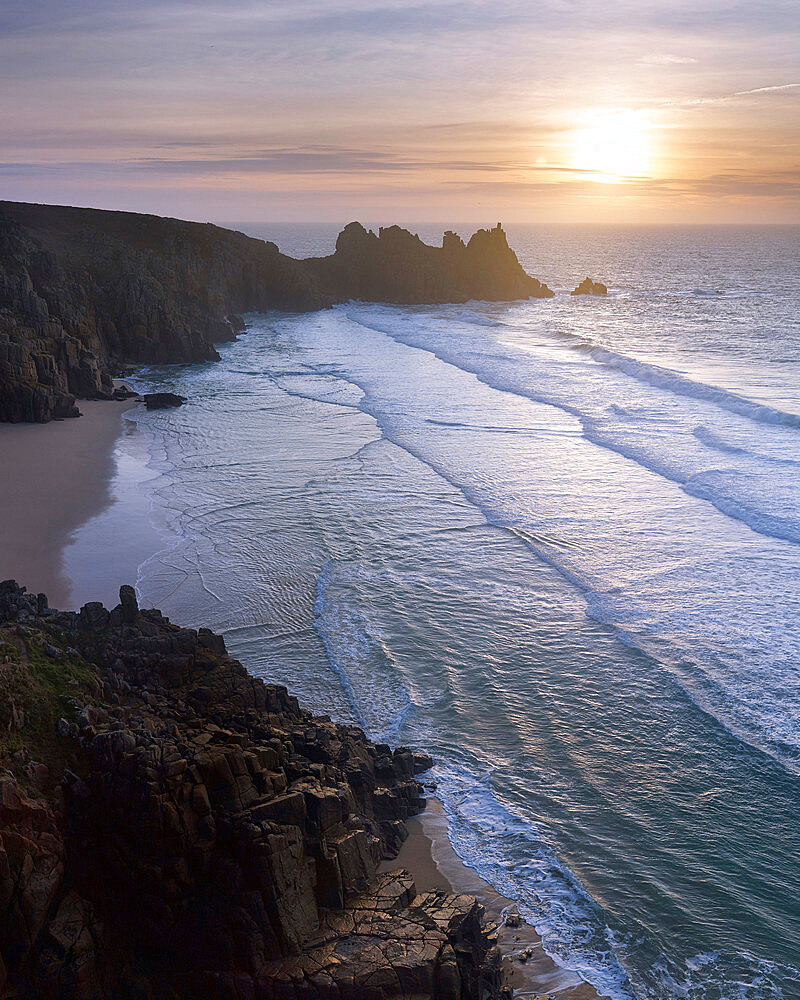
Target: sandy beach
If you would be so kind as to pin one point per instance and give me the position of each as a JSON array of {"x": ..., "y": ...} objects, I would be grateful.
[
  {"x": 430, "y": 858},
  {"x": 56, "y": 476}
]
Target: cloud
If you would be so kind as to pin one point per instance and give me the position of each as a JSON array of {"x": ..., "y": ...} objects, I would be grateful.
[
  {"x": 282, "y": 161},
  {"x": 384, "y": 96},
  {"x": 724, "y": 98},
  {"x": 767, "y": 90},
  {"x": 665, "y": 59}
]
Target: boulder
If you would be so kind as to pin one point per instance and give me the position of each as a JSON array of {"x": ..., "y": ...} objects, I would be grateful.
[
  {"x": 163, "y": 400},
  {"x": 128, "y": 604},
  {"x": 122, "y": 392}
]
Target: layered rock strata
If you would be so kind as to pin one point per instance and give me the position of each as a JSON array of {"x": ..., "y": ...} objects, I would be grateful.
[
  {"x": 84, "y": 292},
  {"x": 171, "y": 827}
]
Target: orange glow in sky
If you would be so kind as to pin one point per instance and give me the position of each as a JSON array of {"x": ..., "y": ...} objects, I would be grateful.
[
  {"x": 614, "y": 147},
  {"x": 447, "y": 110}
]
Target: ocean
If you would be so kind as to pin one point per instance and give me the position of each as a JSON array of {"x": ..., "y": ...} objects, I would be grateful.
[{"x": 554, "y": 543}]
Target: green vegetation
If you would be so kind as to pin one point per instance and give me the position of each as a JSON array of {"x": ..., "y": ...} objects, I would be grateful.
[{"x": 39, "y": 684}]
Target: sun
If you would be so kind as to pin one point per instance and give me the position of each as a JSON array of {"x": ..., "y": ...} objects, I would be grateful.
[{"x": 613, "y": 147}]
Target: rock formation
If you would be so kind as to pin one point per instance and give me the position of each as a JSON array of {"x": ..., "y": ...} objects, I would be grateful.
[
  {"x": 589, "y": 287},
  {"x": 122, "y": 392},
  {"x": 163, "y": 400},
  {"x": 85, "y": 292},
  {"x": 396, "y": 266},
  {"x": 171, "y": 827}
]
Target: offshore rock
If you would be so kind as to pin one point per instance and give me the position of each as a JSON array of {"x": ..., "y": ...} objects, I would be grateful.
[
  {"x": 209, "y": 838},
  {"x": 163, "y": 400},
  {"x": 589, "y": 287},
  {"x": 86, "y": 293}
]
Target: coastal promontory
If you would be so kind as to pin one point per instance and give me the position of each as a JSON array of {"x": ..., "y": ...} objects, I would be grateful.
[
  {"x": 85, "y": 292},
  {"x": 171, "y": 827},
  {"x": 395, "y": 266}
]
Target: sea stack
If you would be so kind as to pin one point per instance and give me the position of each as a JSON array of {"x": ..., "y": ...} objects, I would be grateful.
[
  {"x": 395, "y": 266},
  {"x": 589, "y": 287}
]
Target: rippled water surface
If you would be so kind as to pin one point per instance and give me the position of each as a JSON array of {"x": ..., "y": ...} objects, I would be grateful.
[{"x": 556, "y": 543}]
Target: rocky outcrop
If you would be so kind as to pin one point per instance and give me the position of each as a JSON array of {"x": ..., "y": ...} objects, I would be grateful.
[
  {"x": 589, "y": 287},
  {"x": 84, "y": 293},
  {"x": 122, "y": 392},
  {"x": 163, "y": 400},
  {"x": 396, "y": 266},
  {"x": 209, "y": 838}
]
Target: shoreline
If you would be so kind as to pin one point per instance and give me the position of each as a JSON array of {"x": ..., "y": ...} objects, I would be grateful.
[
  {"x": 63, "y": 473},
  {"x": 58, "y": 476},
  {"x": 429, "y": 856}
]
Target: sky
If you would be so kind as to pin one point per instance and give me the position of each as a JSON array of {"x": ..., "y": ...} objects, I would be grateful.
[{"x": 401, "y": 110}]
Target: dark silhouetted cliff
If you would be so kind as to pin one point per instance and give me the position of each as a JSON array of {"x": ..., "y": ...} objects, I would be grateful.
[
  {"x": 84, "y": 291},
  {"x": 396, "y": 266}
]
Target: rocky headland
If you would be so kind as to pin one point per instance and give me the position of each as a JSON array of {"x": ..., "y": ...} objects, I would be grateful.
[
  {"x": 85, "y": 292},
  {"x": 171, "y": 827},
  {"x": 395, "y": 266}
]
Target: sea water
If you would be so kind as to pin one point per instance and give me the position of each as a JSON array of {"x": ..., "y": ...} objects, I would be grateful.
[{"x": 555, "y": 543}]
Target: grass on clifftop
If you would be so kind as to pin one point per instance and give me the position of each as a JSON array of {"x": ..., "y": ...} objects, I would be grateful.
[{"x": 37, "y": 689}]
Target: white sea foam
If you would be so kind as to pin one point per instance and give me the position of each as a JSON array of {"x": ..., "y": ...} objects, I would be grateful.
[
  {"x": 767, "y": 504},
  {"x": 754, "y": 716},
  {"x": 674, "y": 382},
  {"x": 460, "y": 526}
]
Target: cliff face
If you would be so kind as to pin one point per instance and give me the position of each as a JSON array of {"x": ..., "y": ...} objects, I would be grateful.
[
  {"x": 84, "y": 291},
  {"x": 171, "y": 827}
]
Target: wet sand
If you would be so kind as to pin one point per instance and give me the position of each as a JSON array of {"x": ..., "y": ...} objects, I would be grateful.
[
  {"x": 427, "y": 854},
  {"x": 55, "y": 477}
]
